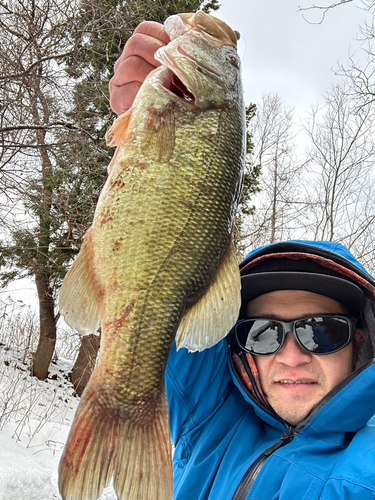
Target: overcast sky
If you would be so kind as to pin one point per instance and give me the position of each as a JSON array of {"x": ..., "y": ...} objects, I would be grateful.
[{"x": 283, "y": 53}]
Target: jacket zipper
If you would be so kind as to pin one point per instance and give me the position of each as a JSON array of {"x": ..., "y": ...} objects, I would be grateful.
[{"x": 254, "y": 469}]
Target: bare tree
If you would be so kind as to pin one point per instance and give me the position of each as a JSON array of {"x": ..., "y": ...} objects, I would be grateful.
[
  {"x": 85, "y": 362},
  {"x": 34, "y": 91},
  {"x": 341, "y": 158},
  {"x": 278, "y": 203}
]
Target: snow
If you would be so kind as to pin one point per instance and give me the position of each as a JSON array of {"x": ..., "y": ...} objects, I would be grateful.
[
  {"x": 35, "y": 419},
  {"x": 23, "y": 476}
]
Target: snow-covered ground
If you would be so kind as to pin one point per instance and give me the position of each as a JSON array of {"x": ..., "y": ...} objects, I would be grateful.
[{"x": 35, "y": 418}]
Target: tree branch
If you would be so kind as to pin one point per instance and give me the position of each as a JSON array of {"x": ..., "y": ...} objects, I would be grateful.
[
  {"x": 35, "y": 63},
  {"x": 323, "y": 9},
  {"x": 52, "y": 125}
]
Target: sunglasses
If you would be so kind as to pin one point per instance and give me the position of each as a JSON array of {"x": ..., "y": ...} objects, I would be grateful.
[{"x": 316, "y": 335}]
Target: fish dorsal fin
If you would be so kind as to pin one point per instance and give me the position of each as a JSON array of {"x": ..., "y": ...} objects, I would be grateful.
[
  {"x": 212, "y": 317},
  {"x": 78, "y": 301},
  {"x": 115, "y": 136}
]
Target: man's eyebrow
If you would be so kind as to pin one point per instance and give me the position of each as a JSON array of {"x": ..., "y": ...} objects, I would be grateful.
[
  {"x": 276, "y": 317},
  {"x": 266, "y": 316}
]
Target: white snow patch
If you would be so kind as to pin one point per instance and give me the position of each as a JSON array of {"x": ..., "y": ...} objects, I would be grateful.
[
  {"x": 22, "y": 475},
  {"x": 35, "y": 419}
]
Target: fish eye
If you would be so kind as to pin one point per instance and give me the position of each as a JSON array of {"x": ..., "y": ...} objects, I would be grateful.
[{"x": 234, "y": 61}]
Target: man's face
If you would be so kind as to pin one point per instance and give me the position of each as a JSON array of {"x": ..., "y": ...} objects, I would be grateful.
[{"x": 294, "y": 380}]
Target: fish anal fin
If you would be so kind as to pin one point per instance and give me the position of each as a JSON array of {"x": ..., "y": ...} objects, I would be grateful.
[
  {"x": 78, "y": 300},
  {"x": 212, "y": 317},
  {"x": 101, "y": 445},
  {"x": 116, "y": 135}
]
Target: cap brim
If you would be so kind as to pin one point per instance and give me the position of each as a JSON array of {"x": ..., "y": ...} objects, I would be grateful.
[{"x": 344, "y": 291}]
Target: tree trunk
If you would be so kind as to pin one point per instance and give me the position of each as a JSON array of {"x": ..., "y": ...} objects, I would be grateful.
[
  {"x": 47, "y": 338},
  {"x": 274, "y": 202},
  {"x": 85, "y": 362}
]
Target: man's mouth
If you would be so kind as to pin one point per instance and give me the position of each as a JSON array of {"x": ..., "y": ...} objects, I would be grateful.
[{"x": 295, "y": 382}]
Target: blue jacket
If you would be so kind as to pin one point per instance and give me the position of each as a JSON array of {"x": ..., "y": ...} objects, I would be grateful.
[{"x": 221, "y": 434}]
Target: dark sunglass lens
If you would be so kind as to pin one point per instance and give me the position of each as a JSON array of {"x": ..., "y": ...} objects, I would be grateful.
[
  {"x": 259, "y": 336},
  {"x": 322, "y": 335}
]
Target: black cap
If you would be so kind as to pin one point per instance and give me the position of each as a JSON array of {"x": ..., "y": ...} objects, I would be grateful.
[{"x": 273, "y": 274}]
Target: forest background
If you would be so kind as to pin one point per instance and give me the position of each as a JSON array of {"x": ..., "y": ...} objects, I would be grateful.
[{"x": 310, "y": 178}]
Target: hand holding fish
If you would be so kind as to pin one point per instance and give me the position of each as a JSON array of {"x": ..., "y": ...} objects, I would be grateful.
[{"x": 135, "y": 63}]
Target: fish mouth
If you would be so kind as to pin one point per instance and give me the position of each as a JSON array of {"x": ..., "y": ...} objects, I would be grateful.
[
  {"x": 176, "y": 81},
  {"x": 191, "y": 71},
  {"x": 178, "y": 88},
  {"x": 173, "y": 84}
]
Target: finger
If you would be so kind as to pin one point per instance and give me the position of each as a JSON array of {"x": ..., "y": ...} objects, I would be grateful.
[
  {"x": 147, "y": 38},
  {"x": 154, "y": 30},
  {"x": 135, "y": 63},
  {"x": 131, "y": 69},
  {"x": 143, "y": 46},
  {"x": 122, "y": 97},
  {"x": 125, "y": 83}
]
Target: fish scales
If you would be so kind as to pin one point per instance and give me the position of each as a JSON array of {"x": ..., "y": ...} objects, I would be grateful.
[
  {"x": 182, "y": 223},
  {"x": 156, "y": 256}
]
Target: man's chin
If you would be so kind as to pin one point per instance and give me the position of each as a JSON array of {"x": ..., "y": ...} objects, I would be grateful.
[
  {"x": 293, "y": 411},
  {"x": 295, "y": 419}
]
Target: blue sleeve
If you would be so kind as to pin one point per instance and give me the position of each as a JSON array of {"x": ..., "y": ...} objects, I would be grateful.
[{"x": 196, "y": 384}]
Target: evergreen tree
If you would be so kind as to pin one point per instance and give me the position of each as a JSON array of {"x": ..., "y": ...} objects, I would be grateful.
[
  {"x": 249, "y": 188},
  {"x": 55, "y": 114},
  {"x": 56, "y": 60}
]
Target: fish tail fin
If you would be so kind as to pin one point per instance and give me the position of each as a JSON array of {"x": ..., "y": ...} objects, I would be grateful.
[
  {"x": 86, "y": 465},
  {"x": 143, "y": 465},
  {"x": 101, "y": 445}
]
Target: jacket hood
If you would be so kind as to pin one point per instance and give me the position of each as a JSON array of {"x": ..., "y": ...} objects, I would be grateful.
[
  {"x": 334, "y": 251},
  {"x": 344, "y": 275}
]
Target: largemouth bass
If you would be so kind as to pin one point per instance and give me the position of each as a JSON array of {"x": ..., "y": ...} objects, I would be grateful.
[{"x": 157, "y": 263}]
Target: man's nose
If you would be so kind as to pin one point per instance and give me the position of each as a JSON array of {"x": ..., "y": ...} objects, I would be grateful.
[{"x": 291, "y": 353}]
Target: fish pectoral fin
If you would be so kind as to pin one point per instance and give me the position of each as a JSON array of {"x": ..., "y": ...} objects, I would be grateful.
[
  {"x": 212, "y": 317},
  {"x": 160, "y": 131},
  {"x": 116, "y": 135},
  {"x": 78, "y": 301}
]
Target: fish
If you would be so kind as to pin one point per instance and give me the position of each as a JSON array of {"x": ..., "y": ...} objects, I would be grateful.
[{"x": 157, "y": 265}]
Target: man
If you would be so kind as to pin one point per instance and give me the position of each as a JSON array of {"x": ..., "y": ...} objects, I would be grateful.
[{"x": 283, "y": 407}]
